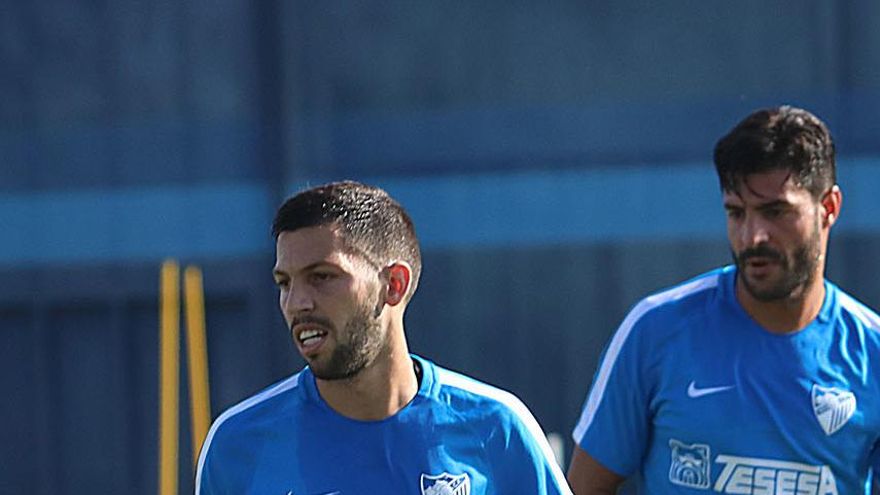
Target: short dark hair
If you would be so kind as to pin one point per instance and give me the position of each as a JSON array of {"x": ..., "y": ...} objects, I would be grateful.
[
  {"x": 785, "y": 138},
  {"x": 371, "y": 222}
]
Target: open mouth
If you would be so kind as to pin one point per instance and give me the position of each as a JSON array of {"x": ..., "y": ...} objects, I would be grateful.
[{"x": 311, "y": 338}]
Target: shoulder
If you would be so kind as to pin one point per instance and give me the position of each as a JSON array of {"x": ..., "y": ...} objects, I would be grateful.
[
  {"x": 463, "y": 403},
  {"x": 469, "y": 396},
  {"x": 495, "y": 412},
  {"x": 506, "y": 428},
  {"x": 648, "y": 336},
  {"x": 260, "y": 404},
  {"x": 685, "y": 295},
  {"x": 674, "y": 306},
  {"x": 858, "y": 318},
  {"x": 233, "y": 423},
  {"x": 485, "y": 409},
  {"x": 860, "y": 312}
]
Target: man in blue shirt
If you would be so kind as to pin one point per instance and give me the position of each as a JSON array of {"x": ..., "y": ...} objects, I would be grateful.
[
  {"x": 365, "y": 416},
  {"x": 758, "y": 378}
]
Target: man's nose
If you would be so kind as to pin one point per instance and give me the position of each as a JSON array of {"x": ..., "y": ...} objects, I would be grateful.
[
  {"x": 755, "y": 231},
  {"x": 298, "y": 300}
]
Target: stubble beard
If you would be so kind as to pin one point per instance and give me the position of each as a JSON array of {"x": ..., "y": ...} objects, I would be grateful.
[
  {"x": 364, "y": 340},
  {"x": 799, "y": 271}
]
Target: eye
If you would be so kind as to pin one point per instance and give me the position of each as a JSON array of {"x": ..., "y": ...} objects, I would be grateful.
[
  {"x": 734, "y": 213},
  {"x": 321, "y": 276},
  {"x": 773, "y": 212},
  {"x": 282, "y": 283}
]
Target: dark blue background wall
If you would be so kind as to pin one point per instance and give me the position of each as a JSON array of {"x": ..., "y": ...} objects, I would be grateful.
[{"x": 556, "y": 160}]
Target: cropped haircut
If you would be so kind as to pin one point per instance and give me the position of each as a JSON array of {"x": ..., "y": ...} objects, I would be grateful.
[
  {"x": 371, "y": 223},
  {"x": 785, "y": 138}
]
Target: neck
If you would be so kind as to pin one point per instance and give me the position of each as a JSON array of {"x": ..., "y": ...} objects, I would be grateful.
[
  {"x": 381, "y": 389},
  {"x": 789, "y": 314}
]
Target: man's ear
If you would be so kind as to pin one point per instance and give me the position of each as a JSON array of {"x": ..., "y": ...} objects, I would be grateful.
[
  {"x": 831, "y": 204},
  {"x": 399, "y": 277}
]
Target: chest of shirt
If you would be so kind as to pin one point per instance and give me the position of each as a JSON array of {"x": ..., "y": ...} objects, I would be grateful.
[
  {"x": 320, "y": 456},
  {"x": 752, "y": 413},
  {"x": 767, "y": 389}
]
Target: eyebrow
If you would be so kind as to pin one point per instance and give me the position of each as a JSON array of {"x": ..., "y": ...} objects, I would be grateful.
[
  {"x": 277, "y": 272},
  {"x": 776, "y": 203}
]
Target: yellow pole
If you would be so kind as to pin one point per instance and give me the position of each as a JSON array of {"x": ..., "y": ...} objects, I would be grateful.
[
  {"x": 200, "y": 404},
  {"x": 169, "y": 376}
]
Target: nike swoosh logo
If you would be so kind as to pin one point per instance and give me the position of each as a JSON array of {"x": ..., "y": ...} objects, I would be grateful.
[
  {"x": 328, "y": 493},
  {"x": 694, "y": 392}
]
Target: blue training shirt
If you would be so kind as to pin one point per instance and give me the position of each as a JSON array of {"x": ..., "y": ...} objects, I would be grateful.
[
  {"x": 692, "y": 396},
  {"x": 457, "y": 436}
]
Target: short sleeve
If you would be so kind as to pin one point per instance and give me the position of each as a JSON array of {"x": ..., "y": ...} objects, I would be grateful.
[
  {"x": 205, "y": 479},
  {"x": 526, "y": 463},
  {"x": 213, "y": 470},
  {"x": 615, "y": 423}
]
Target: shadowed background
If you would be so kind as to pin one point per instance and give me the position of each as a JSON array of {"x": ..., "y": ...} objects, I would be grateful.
[{"x": 556, "y": 160}]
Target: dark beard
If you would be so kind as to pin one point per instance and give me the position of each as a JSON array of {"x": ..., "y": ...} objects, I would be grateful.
[
  {"x": 798, "y": 271},
  {"x": 364, "y": 342}
]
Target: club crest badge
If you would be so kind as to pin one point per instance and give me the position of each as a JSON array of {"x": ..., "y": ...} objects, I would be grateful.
[
  {"x": 690, "y": 464},
  {"x": 833, "y": 407},
  {"x": 446, "y": 484}
]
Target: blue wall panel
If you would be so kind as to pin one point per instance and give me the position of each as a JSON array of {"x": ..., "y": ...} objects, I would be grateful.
[
  {"x": 90, "y": 440},
  {"x": 135, "y": 225},
  {"x": 19, "y": 458},
  {"x": 676, "y": 201}
]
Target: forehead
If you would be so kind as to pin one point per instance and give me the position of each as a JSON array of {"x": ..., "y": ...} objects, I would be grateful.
[
  {"x": 308, "y": 246},
  {"x": 766, "y": 187}
]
